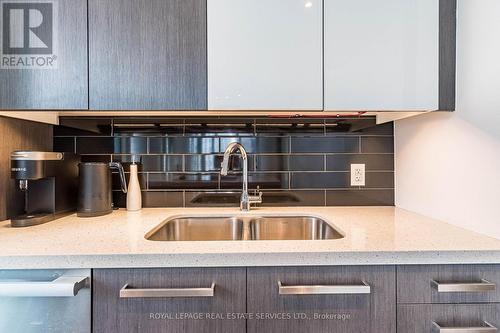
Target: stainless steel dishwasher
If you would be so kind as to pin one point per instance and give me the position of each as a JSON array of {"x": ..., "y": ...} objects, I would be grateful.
[{"x": 33, "y": 301}]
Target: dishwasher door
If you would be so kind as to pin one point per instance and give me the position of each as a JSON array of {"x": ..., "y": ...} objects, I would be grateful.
[{"x": 33, "y": 301}]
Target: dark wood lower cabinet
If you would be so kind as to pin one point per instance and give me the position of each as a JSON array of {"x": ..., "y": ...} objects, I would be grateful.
[
  {"x": 448, "y": 298},
  {"x": 418, "y": 283},
  {"x": 349, "y": 306},
  {"x": 343, "y": 299},
  {"x": 311, "y": 299},
  {"x": 145, "y": 310},
  {"x": 425, "y": 318}
]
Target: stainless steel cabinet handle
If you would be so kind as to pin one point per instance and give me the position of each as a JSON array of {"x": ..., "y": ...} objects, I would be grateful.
[
  {"x": 478, "y": 287},
  {"x": 63, "y": 286},
  {"x": 482, "y": 329},
  {"x": 127, "y": 292},
  {"x": 324, "y": 289}
]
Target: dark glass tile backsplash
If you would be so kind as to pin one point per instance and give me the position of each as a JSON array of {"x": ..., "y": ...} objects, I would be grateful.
[{"x": 294, "y": 161}]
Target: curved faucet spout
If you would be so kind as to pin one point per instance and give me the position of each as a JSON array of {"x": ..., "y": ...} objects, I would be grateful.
[
  {"x": 233, "y": 146},
  {"x": 246, "y": 200}
]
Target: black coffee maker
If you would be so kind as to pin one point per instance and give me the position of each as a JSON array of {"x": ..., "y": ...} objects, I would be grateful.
[{"x": 49, "y": 181}]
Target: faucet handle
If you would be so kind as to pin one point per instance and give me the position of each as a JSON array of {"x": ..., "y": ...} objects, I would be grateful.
[{"x": 257, "y": 198}]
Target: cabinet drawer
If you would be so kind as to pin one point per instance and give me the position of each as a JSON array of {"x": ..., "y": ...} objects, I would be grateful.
[
  {"x": 424, "y": 318},
  {"x": 448, "y": 284},
  {"x": 321, "y": 299},
  {"x": 168, "y": 300}
]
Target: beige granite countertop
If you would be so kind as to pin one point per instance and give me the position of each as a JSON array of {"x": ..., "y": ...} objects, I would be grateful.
[{"x": 373, "y": 235}]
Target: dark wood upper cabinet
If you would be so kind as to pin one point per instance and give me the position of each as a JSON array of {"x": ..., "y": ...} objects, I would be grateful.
[
  {"x": 148, "y": 54},
  {"x": 44, "y": 55}
]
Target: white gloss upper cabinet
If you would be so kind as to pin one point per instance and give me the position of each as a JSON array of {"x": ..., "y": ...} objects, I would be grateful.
[
  {"x": 381, "y": 55},
  {"x": 265, "y": 54}
]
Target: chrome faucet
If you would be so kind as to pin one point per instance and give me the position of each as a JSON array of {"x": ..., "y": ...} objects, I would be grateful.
[{"x": 246, "y": 200}]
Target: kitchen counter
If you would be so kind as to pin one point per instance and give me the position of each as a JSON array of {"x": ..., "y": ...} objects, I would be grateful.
[{"x": 373, "y": 235}]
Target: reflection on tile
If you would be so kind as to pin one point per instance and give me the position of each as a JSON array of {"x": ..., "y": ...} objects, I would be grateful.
[
  {"x": 263, "y": 180},
  {"x": 212, "y": 163},
  {"x": 360, "y": 198},
  {"x": 293, "y": 198},
  {"x": 290, "y": 162},
  {"x": 342, "y": 162},
  {"x": 212, "y": 199},
  {"x": 181, "y": 181},
  {"x": 259, "y": 145},
  {"x": 130, "y": 145},
  {"x": 325, "y": 145},
  {"x": 163, "y": 199},
  {"x": 270, "y": 198},
  {"x": 162, "y": 163},
  {"x": 201, "y": 163},
  {"x": 183, "y": 145},
  {"x": 158, "y": 145},
  {"x": 151, "y": 163}
]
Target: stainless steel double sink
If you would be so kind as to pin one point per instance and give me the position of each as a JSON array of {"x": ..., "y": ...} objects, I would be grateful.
[{"x": 220, "y": 228}]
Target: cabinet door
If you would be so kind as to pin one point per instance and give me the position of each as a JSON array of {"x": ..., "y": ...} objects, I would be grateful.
[
  {"x": 147, "y": 54},
  {"x": 265, "y": 55},
  {"x": 43, "y": 55},
  {"x": 381, "y": 55},
  {"x": 423, "y": 318},
  {"x": 348, "y": 307},
  {"x": 168, "y": 300},
  {"x": 448, "y": 283}
]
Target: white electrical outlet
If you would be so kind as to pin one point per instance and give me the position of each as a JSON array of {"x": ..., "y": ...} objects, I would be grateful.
[{"x": 357, "y": 175}]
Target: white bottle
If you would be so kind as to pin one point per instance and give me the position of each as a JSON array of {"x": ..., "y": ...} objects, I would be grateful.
[{"x": 134, "y": 199}]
